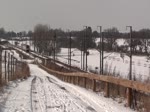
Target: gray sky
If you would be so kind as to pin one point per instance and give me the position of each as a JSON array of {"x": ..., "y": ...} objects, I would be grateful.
[{"x": 21, "y": 15}]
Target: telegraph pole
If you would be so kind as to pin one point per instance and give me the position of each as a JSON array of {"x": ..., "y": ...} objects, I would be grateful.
[
  {"x": 70, "y": 49},
  {"x": 130, "y": 74},
  {"x": 102, "y": 52},
  {"x": 129, "y": 90},
  {"x": 81, "y": 52},
  {"x": 85, "y": 48},
  {"x": 54, "y": 46},
  {"x": 100, "y": 48}
]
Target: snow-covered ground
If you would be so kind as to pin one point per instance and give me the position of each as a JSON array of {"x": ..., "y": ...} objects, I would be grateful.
[
  {"x": 113, "y": 63},
  {"x": 43, "y": 92}
]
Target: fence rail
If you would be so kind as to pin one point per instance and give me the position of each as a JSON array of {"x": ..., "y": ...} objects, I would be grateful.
[
  {"x": 78, "y": 78},
  {"x": 75, "y": 77}
]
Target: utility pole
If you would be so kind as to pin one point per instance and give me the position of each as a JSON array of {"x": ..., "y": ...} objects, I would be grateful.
[
  {"x": 100, "y": 48},
  {"x": 81, "y": 52},
  {"x": 70, "y": 49},
  {"x": 82, "y": 49},
  {"x": 102, "y": 52},
  {"x": 85, "y": 48},
  {"x": 129, "y": 90},
  {"x": 130, "y": 74},
  {"x": 54, "y": 46}
]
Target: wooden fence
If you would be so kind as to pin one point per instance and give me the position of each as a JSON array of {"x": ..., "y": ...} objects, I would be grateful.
[
  {"x": 75, "y": 77},
  {"x": 80, "y": 77},
  {"x": 10, "y": 67}
]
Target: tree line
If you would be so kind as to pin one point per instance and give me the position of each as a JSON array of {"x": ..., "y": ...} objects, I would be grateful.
[
  {"x": 44, "y": 38},
  {"x": 11, "y": 34}
]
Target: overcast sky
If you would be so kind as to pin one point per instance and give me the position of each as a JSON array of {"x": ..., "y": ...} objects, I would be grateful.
[{"x": 21, "y": 15}]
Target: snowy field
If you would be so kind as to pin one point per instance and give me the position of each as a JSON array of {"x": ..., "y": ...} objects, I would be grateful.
[
  {"x": 43, "y": 92},
  {"x": 113, "y": 63}
]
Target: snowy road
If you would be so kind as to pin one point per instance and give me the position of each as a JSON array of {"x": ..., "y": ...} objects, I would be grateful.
[
  {"x": 43, "y": 92},
  {"x": 50, "y": 97}
]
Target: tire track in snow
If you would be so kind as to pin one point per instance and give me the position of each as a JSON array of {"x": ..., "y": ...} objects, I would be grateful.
[
  {"x": 38, "y": 96},
  {"x": 59, "y": 99},
  {"x": 80, "y": 105},
  {"x": 48, "y": 96}
]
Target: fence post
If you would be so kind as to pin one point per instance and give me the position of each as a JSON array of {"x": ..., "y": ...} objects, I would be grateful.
[
  {"x": 106, "y": 89},
  {"x": 65, "y": 78},
  {"x": 129, "y": 97},
  {"x": 71, "y": 79},
  {"x": 11, "y": 67},
  {"x": 5, "y": 61},
  {"x": 15, "y": 67},
  {"x": 74, "y": 80},
  {"x": 0, "y": 65},
  {"x": 84, "y": 81},
  {"x": 8, "y": 65},
  {"x": 22, "y": 66},
  {"x": 94, "y": 85},
  {"x": 77, "y": 80},
  {"x": 45, "y": 62}
]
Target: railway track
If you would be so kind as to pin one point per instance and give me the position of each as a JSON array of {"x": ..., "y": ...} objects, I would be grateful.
[{"x": 74, "y": 69}]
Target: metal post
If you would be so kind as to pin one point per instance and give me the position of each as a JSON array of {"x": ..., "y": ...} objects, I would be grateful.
[
  {"x": 54, "y": 46},
  {"x": 100, "y": 49},
  {"x": 86, "y": 50},
  {"x": 70, "y": 50},
  {"x": 102, "y": 52},
  {"x": 130, "y": 74},
  {"x": 68, "y": 54},
  {"x": 129, "y": 90},
  {"x": 85, "y": 47},
  {"x": 83, "y": 50}
]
